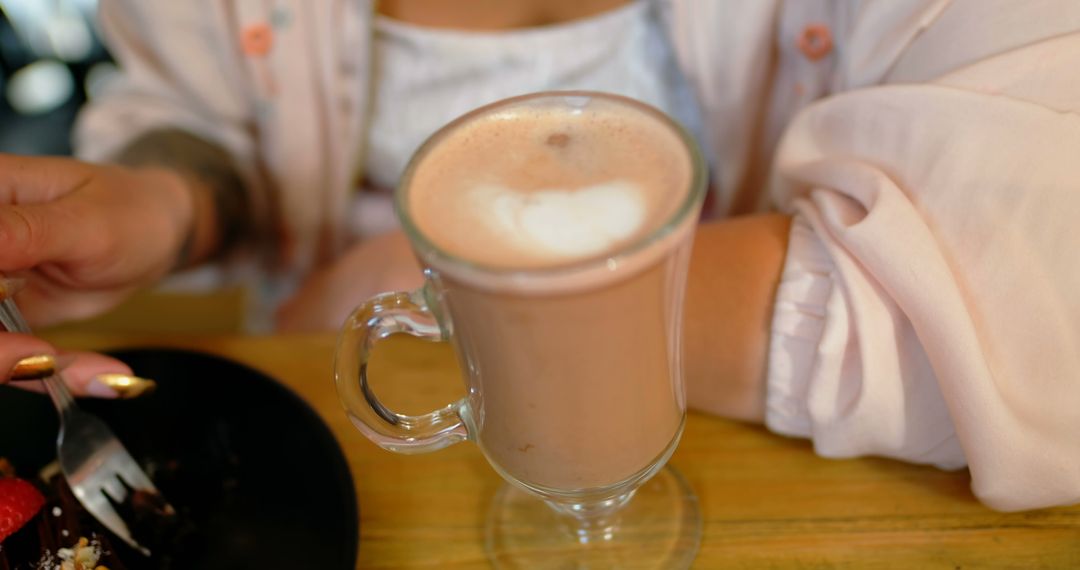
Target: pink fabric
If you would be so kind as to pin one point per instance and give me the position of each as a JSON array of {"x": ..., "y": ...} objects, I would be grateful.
[
  {"x": 930, "y": 304},
  {"x": 955, "y": 276}
]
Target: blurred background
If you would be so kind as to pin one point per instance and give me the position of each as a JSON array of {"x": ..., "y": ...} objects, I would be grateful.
[{"x": 51, "y": 62}]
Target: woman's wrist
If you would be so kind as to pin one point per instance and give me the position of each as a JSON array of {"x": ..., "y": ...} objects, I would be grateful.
[
  {"x": 213, "y": 191},
  {"x": 734, "y": 272},
  {"x": 202, "y": 237},
  {"x": 192, "y": 238}
]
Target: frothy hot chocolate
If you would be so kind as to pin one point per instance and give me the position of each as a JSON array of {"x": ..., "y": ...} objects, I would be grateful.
[
  {"x": 572, "y": 364},
  {"x": 527, "y": 187}
]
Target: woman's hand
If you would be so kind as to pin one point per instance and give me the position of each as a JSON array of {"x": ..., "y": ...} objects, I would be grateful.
[
  {"x": 378, "y": 265},
  {"x": 85, "y": 236}
]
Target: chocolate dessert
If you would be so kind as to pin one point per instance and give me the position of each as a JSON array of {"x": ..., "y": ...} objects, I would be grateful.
[
  {"x": 63, "y": 535},
  {"x": 60, "y": 530}
]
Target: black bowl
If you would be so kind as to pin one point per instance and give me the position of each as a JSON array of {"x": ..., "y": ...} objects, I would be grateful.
[{"x": 257, "y": 475}]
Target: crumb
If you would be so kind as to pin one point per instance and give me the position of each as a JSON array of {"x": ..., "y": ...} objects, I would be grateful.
[
  {"x": 84, "y": 555},
  {"x": 47, "y": 562},
  {"x": 57, "y": 511},
  {"x": 558, "y": 140},
  {"x": 49, "y": 471}
]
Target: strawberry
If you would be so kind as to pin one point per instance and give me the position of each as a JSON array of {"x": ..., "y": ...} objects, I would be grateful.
[{"x": 19, "y": 502}]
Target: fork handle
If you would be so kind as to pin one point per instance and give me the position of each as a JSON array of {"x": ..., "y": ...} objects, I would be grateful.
[
  {"x": 61, "y": 396},
  {"x": 12, "y": 318}
]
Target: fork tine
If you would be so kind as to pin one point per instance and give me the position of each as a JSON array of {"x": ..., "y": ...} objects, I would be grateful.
[
  {"x": 128, "y": 470},
  {"x": 98, "y": 504},
  {"x": 114, "y": 488}
]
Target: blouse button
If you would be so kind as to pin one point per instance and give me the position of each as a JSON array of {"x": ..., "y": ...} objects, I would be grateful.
[
  {"x": 815, "y": 41},
  {"x": 257, "y": 39}
]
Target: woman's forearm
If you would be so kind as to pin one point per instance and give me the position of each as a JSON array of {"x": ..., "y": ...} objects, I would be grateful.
[{"x": 734, "y": 273}]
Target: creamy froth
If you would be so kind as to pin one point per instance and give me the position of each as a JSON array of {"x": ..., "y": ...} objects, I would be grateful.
[
  {"x": 564, "y": 224},
  {"x": 527, "y": 187}
]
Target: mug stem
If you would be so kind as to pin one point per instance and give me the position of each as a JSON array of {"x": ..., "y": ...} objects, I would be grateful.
[{"x": 591, "y": 522}]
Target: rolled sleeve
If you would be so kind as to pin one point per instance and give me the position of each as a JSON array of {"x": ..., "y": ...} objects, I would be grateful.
[{"x": 797, "y": 326}]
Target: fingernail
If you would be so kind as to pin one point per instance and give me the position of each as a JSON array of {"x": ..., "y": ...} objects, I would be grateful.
[
  {"x": 123, "y": 386},
  {"x": 9, "y": 286},
  {"x": 34, "y": 368},
  {"x": 95, "y": 387},
  {"x": 39, "y": 366}
]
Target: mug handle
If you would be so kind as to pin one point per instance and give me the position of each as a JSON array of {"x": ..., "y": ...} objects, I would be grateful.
[{"x": 374, "y": 320}]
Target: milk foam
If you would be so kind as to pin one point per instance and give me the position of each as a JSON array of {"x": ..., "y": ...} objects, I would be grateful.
[
  {"x": 563, "y": 224},
  {"x": 544, "y": 185}
]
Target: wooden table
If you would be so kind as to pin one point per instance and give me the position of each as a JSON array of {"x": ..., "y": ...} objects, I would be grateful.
[{"x": 768, "y": 501}]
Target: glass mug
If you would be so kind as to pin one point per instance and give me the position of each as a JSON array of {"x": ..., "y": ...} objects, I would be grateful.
[{"x": 574, "y": 376}]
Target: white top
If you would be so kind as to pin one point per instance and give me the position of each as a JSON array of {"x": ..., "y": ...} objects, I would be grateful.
[
  {"x": 428, "y": 76},
  {"x": 930, "y": 303}
]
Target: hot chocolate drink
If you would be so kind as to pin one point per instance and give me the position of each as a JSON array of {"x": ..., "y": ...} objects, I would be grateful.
[{"x": 558, "y": 232}]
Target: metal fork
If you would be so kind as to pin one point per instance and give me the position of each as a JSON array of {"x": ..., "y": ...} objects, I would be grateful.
[{"x": 92, "y": 459}]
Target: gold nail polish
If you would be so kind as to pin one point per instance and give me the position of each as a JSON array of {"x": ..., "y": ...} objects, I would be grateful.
[
  {"x": 127, "y": 386},
  {"x": 10, "y": 286},
  {"x": 34, "y": 368}
]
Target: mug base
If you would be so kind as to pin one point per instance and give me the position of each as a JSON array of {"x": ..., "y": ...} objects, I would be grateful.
[{"x": 659, "y": 527}]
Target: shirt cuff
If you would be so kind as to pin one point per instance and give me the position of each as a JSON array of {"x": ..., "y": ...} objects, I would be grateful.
[{"x": 797, "y": 326}]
